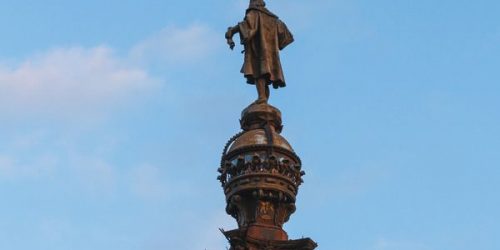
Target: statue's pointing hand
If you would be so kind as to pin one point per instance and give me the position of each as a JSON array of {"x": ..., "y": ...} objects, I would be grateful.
[
  {"x": 231, "y": 44},
  {"x": 229, "y": 37}
]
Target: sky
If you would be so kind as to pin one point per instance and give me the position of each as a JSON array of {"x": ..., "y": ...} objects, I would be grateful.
[{"x": 113, "y": 116}]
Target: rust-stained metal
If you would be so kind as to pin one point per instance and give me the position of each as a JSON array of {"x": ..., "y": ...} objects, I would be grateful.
[{"x": 260, "y": 173}]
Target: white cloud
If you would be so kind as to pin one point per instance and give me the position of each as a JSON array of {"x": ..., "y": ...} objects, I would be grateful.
[
  {"x": 78, "y": 82},
  {"x": 69, "y": 81},
  {"x": 174, "y": 45}
]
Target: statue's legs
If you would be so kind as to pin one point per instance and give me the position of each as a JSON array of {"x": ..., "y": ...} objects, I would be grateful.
[{"x": 262, "y": 90}]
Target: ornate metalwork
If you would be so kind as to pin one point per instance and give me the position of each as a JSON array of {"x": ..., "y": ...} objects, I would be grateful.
[
  {"x": 261, "y": 174},
  {"x": 259, "y": 170}
]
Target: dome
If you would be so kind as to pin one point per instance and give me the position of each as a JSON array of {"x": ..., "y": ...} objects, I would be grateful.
[{"x": 258, "y": 137}]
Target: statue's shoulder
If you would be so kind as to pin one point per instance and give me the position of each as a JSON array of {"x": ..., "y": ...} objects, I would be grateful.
[{"x": 262, "y": 11}]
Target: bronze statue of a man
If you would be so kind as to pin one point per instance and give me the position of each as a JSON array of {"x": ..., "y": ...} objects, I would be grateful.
[{"x": 263, "y": 35}]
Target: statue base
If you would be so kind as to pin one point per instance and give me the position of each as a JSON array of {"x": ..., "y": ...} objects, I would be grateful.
[
  {"x": 241, "y": 240},
  {"x": 260, "y": 115},
  {"x": 261, "y": 174}
]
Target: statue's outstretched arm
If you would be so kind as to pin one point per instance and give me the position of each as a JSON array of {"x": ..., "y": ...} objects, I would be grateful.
[{"x": 229, "y": 35}]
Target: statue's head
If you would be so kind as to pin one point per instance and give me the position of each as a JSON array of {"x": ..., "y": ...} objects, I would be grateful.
[{"x": 257, "y": 4}]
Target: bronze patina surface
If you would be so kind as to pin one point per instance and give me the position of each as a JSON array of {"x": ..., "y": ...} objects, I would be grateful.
[
  {"x": 263, "y": 35},
  {"x": 260, "y": 172}
]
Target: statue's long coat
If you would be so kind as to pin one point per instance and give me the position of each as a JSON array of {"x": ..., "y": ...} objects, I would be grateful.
[{"x": 263, "y": 35}]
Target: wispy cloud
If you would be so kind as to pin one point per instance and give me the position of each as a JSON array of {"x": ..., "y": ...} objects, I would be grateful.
[
  {"x": 70, "y": 81},
  {"x": 83, "y": 84},
  {"x": 78, "y": 81},
  {"x": 174, "y": 45},
  {"x": 57, "y": 158}
]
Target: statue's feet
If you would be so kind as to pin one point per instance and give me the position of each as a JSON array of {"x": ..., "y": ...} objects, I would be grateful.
[{"x": 260, "y": 101}]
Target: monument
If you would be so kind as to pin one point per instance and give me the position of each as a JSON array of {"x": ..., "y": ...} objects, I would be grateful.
[{"x": 260, "y": 173}]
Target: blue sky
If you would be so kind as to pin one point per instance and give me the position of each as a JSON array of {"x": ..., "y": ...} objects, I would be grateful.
[{"x": 113, "y": 115}]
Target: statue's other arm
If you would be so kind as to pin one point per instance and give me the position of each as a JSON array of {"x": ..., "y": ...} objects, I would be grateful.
[{"x": 285, "y": 37}]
